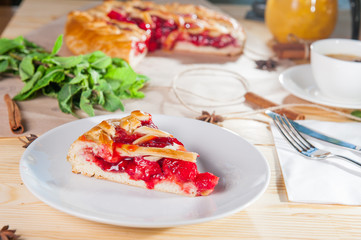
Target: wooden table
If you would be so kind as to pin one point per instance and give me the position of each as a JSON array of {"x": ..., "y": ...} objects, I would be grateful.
[{"x": 271, "y": 217}]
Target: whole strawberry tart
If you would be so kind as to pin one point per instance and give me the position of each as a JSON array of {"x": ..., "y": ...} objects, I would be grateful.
[{"x": 130, "y": 29}]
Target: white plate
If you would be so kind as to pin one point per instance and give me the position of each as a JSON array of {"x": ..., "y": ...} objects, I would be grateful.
[
  {"x": 300, "y": 82},
  {"x": 243, "y": 171}
]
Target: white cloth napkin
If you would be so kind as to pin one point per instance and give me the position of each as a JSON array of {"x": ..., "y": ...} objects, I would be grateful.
[{"x": 331, "y": 181}]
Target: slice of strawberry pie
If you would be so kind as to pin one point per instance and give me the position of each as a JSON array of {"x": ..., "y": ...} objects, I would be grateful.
[{"x": 132, "y": 150}]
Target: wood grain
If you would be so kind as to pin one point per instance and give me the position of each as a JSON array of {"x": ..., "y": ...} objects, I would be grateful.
[{"x": 270, "y": 217}]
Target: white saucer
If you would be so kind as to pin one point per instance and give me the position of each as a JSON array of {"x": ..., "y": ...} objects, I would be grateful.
[{"x": 299, "y": 81}]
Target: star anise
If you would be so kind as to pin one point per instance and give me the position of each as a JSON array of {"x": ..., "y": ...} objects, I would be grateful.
[
  {"x": 30, "y": 139},
  {"x": 7, "y": 234},
  {"x": 211, "y": 118},
  {"x": 269, "y": 65}
]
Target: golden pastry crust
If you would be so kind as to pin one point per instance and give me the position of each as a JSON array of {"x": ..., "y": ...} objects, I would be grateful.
[
  {"x": 93, "y": 29},
  {"x": 85, "y": 33},
  {"x": 104, "y": 133},
  {"x": 133, "y": 151}
]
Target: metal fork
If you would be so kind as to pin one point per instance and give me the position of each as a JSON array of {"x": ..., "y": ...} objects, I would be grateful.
[{"x": 299, "y": 142}]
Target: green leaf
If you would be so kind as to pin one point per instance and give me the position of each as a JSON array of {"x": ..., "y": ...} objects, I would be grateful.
[
  {"x": 55, "y": 74},
  {"x": 99, "y": 60},
  {"x": 98, "y": 78},
  {"x": 78, "y": 79},
  {"x": 123, "y": 74},
  {"x": 142, "y": 78},
  {"x": 39, "y": 56},
  {"x": 57, "y": 45},
  {"x": 100, "y": 99},
  {"x": 120, "y": 62},
  {"x": 115, "y": 85},
  {"x": 120, "y": 79},
  {"x": 85, "y": 103},
  {"x": 50, "y": 91},
  {"x": 356, "y": 113},
  {"x": 14, "y": 65},
  {"x": 112, "y": 102},
  {"x": 26, "y": 68},
  {"x": 67, "y": 62},
  {"x": 4, "y": 65},
  {"x": 94, "y": 77},
  {"x": 102, "y": 63},
  {"x": 29, "y": 84},
  {"x": 10, "y": 44},
  {"x": 81, "y": 66},
  {"x": 65, "y": 97},
  {"x": 134, "y": 90},
  {"x": 4, "y": 57}
]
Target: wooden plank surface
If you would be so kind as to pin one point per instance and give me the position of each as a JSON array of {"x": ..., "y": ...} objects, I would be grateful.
[
  {"x": 270, "y": 217},
  {"x": 6, "y": 12}
]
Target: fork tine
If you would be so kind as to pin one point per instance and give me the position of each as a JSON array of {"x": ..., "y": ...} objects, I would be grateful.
[
  {"x": 284, "y": 132},
  {"x": 293, "y": 134},
  {"x": 297, "y": 133}
]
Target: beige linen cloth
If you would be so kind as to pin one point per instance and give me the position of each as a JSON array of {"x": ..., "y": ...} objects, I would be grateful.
[{"x": 42, "y": 113}]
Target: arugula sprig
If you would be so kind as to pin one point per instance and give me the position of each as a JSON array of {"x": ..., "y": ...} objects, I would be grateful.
[{"x": 78, "y": 82}]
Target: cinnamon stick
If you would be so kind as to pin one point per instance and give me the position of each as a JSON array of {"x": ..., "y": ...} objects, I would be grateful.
[
  {"x": 14, "y": 115},
  {"x": 291, "y": 50},
  {"x": 291, "y": 54},
  {"x": 286, "y": 46},
  {"x": 258, "y": 101}
]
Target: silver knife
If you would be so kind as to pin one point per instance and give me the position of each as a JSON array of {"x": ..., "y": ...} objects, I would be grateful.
[{"x": 319, "y": 135}]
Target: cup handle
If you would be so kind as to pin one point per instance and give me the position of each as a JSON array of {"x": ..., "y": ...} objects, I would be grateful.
[{"x": 355, "y": 15}]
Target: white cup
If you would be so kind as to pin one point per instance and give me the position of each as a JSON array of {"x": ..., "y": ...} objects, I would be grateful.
[{"x": 338, "y": 79}]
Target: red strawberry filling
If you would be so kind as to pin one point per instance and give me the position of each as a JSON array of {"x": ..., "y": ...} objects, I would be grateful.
[
  {"x": 161, "y": 142},
  {"x": 204, "y": 39},
  {"x": 162, "y": 28},
  {"x": 153, "y": 172}
]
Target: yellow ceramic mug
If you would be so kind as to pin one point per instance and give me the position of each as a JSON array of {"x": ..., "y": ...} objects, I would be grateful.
[{"x": 304, "y": 19}]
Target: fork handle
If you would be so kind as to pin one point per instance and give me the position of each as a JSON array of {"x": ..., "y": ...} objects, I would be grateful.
[{"x": 348, "y": 159}]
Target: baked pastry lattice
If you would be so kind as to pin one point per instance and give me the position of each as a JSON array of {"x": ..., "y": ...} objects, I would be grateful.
[
  {"x": 131, "y": 29},
  {"x": 132, "y": 150}
]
